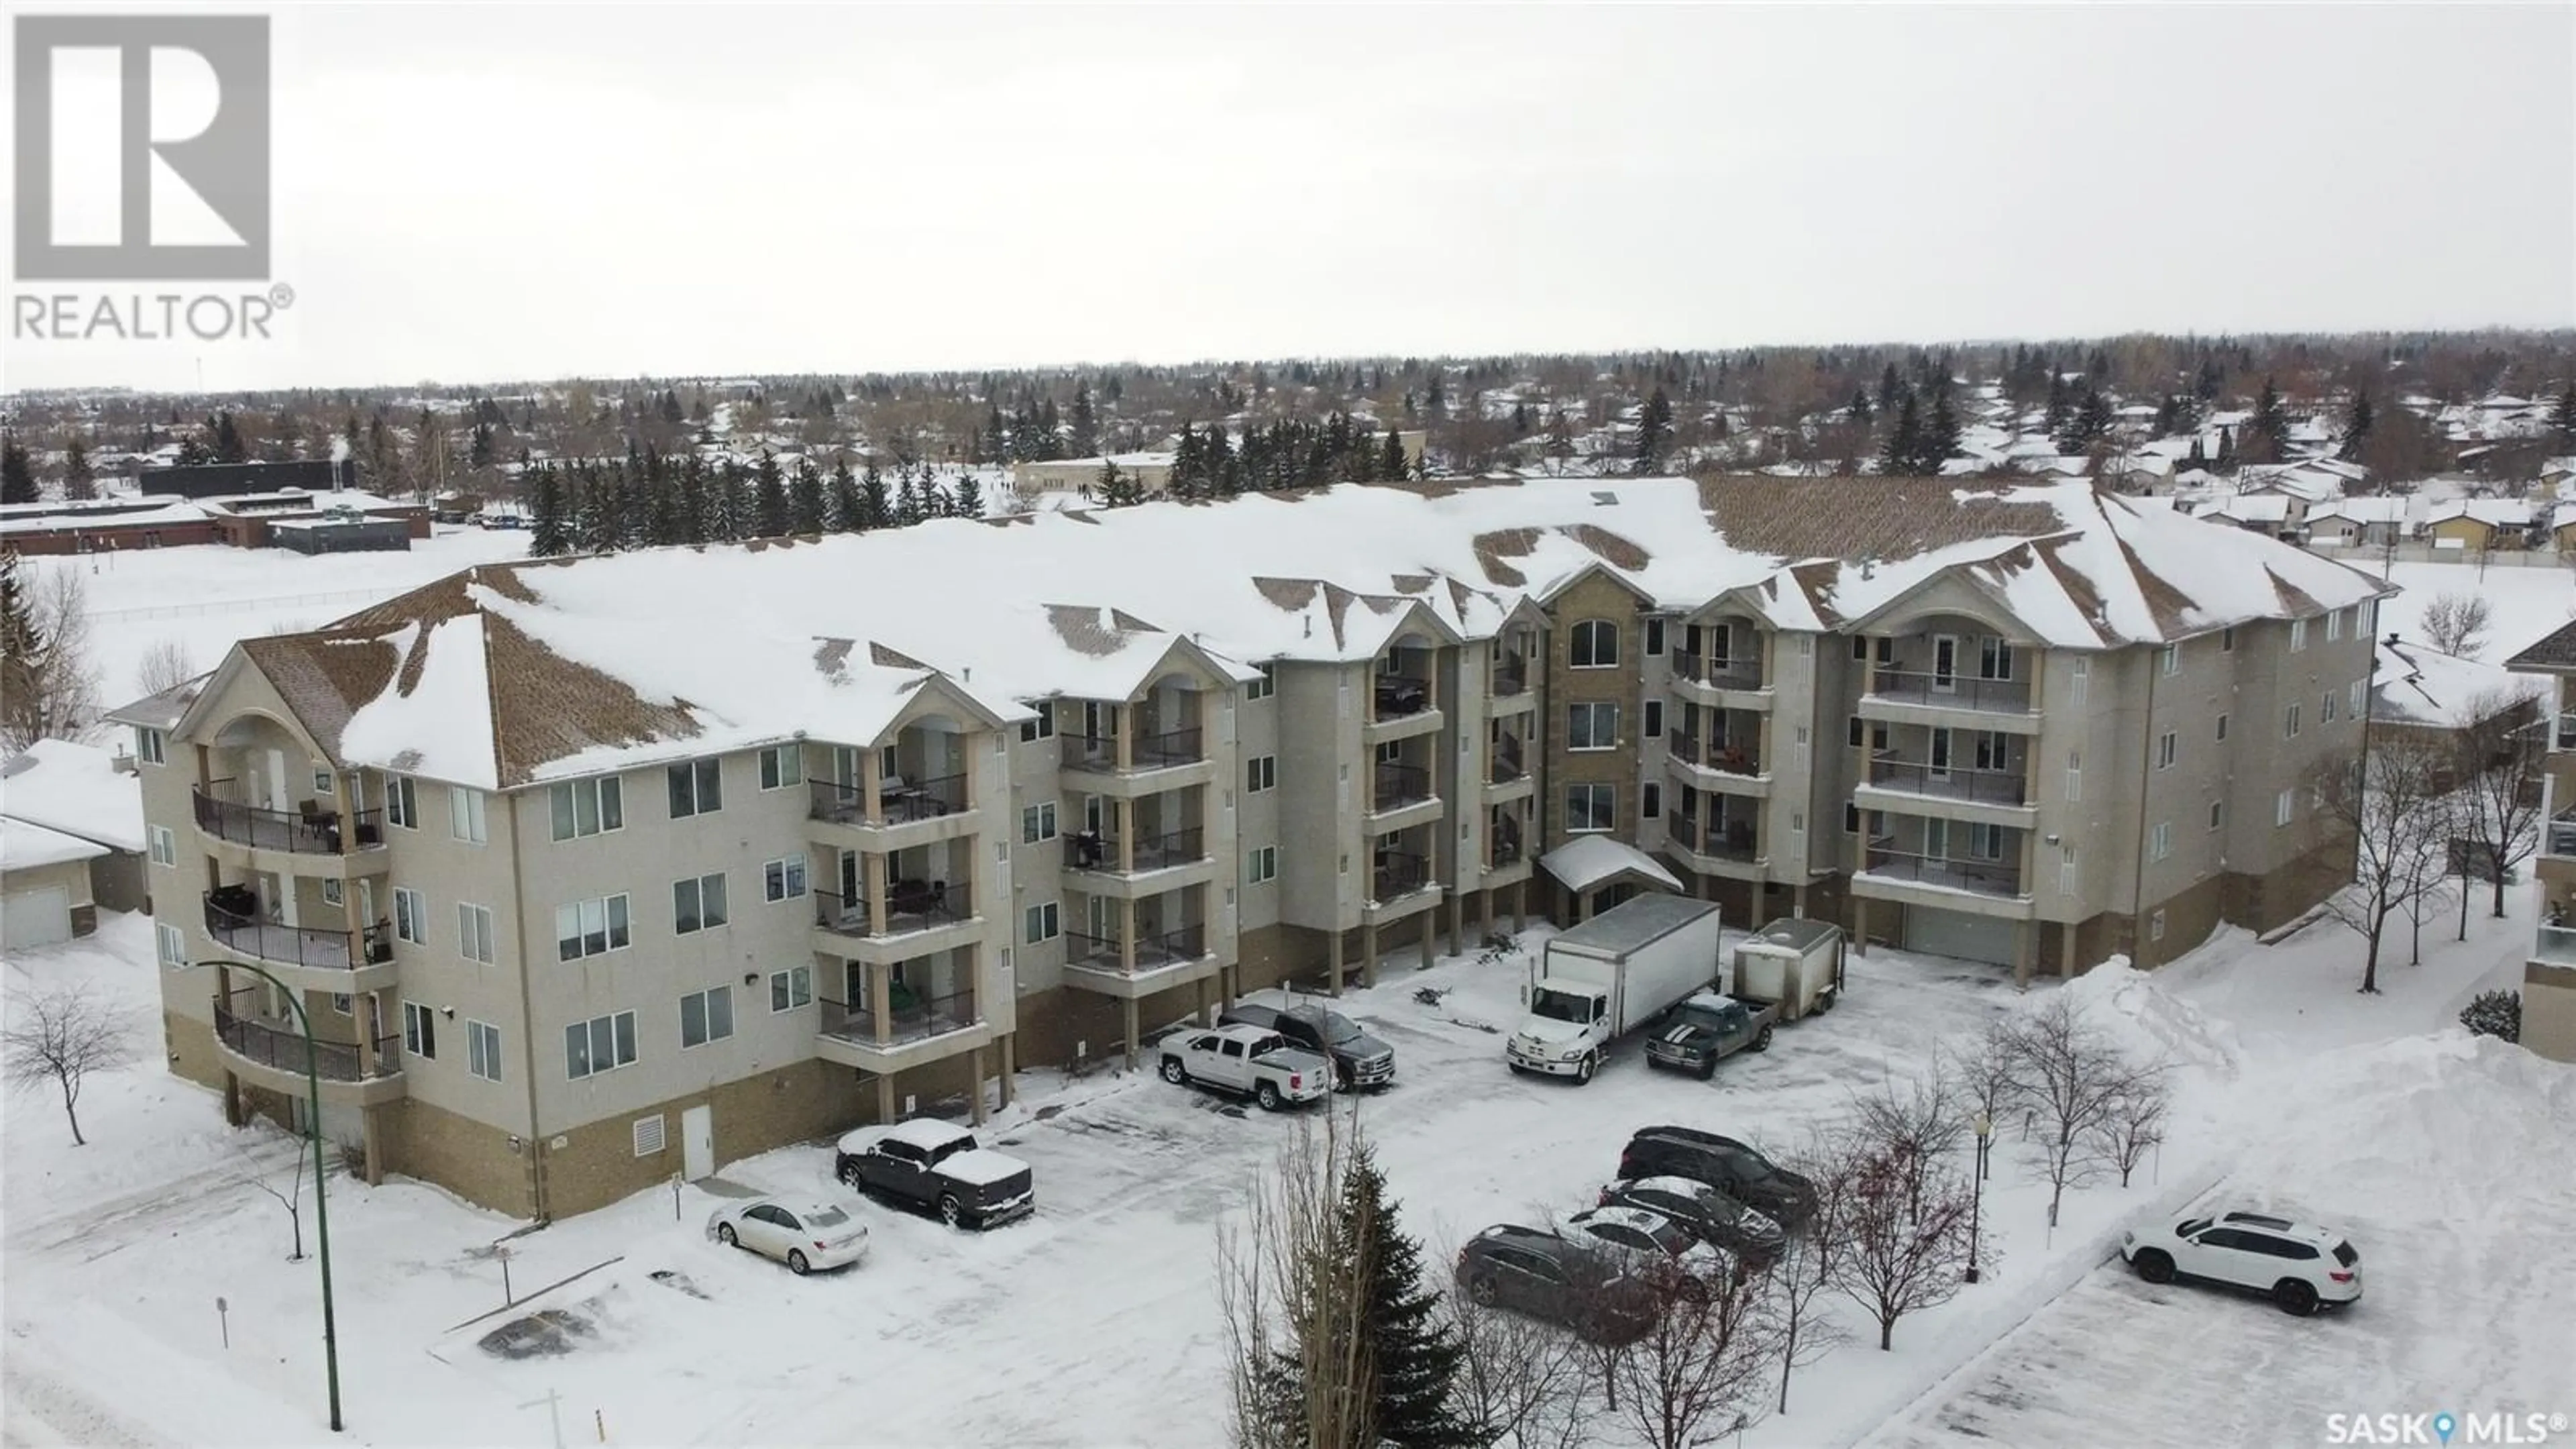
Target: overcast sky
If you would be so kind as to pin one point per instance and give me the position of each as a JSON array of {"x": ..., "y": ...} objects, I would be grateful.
[{"x": 491, "y": 193}]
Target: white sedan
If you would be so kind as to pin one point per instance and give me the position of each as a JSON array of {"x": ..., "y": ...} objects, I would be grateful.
[{"x": 805, "y": 1236}]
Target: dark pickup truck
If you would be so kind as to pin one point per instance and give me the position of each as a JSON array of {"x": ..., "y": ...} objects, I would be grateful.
[
  {"x": 1707, "y": 1029},
  {"x": 1359, "y": 1059},
  {"x": 936, "y": 1166}
]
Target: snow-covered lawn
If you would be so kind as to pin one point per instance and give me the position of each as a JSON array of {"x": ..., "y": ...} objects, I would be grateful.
[{"x": 1097, "y": 1322}]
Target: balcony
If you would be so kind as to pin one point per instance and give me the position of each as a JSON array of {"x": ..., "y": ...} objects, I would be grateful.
[
  {"x": 1718, "y": 757},
  {"x": 844, "y": 924},
  {"x": 1945, "y": 782},
  {"x": 1939, "y": 690},
  {"x": 899, "y": 801},
  {"x": 1395, "y": 786},
  {"x": 1397, "y": 874},
  {"x": 1400, "y": 696},
  {"x": 1144, "y": 752},
  {"x": 271, "y": 1053},
  {"x": 1506, "y": 765},
  {"x": 2559, "y": 836},
  {"x": 2564, "y": 737},
  {"x": 2555, "y": 945},
  {"x": 1736, "y": 674},
  {"x": 1152, "y": 962},
  {"x": 1723, "y": 838},
  {"x": 914, "y": 1030},
  {"x": 284, "y": 830},
  {"x": 1505, "y": 848},
  {"x": 1994, "y": 878},
  {"x": 1511, "y": 675},
  {"x": 1085, "y": 851}
]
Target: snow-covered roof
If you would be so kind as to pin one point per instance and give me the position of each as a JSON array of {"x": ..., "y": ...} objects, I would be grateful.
[
  {"x": 2493, "y": 512},
  {"x": 2414, "y": 683},
  {"x": 1588, "y": 860},
  {"x": 508, "y": 674},
  {"x": 163, "y": 710},
  {"x": 116, "y": 513},
  {"x": 24, "y": 846},
  {"x": 74, "y": 789}
]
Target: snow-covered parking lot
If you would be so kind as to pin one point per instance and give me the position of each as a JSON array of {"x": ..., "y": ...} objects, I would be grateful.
[{"x": 1096, "y": 1322}]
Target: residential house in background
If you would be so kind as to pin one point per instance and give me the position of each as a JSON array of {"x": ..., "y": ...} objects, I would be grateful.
[{"x": 74, "y": 841}]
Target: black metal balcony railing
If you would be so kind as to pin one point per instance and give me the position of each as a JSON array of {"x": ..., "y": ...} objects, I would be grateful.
[
  {"x": 316, "y": 834},
  {"x": 1401, "y": 695},
  {"x": 1719, "y": 673},
  {"x": 2566, "y": 733},
  {"x": 1722, "y": 756},
  {"x": 1154, "y": 951},
  {"x": 911, "y": 905},
  {"x": 899, "y": 801},
  {"x": 1506, "y": 851},
  {"x": 1147, "y": 752},
  {"x": 279, "y": 1045},
  {"x": 243, "y": 933},
  {"x": 1511, "y": 675},
  {"x": 1720, "y": 839},
  {"x": 1986, "y": 877},
  {"x": 1086, "y": 851},
  {"x": 1953, "y": 691},
  {"x": 908, "y": 1018},
  {"x": 1398, "y": 786},
  {"x": 1984, "y": 787},
  {"x": 1398, "y": 873},
  {"x": 1508, "y": 764},
  {"x": 2560, "y": 838}
]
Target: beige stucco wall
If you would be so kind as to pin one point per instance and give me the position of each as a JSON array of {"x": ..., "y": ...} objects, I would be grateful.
[{"x": 2549, "y": 1010}]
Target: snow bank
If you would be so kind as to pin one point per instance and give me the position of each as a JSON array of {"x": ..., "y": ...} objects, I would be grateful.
[{"x": 2151, "y": 1021}]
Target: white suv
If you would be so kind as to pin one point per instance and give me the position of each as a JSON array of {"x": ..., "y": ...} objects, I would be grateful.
[{"x": 2302, "y": 1266}]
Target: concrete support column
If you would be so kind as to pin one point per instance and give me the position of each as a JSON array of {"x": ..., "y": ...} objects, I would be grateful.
[
  {"x": 881, "y": 1002},
  {"x": 1127, "y": 953},
  {"x": 977, "y": 1059},
  {"x": 2025, "y": 951},
  {"x": 1368, "y": 955},
  {"x": 1798, "y": 901},
  {"x": 873, "y": 870},
  {"x": 1010, "y": 1044},
  {"x": 1122, "y": 815},
  {"x": 1127, "y": 1014},
  {"x": 1429, "y": 930},
  {"x": 1334, "y": 960},
  {"x": 375, "y": 1149},
  {"x": 1125, "y": 718},
  {"x": 1520, "y": 905},
  {"x": 2066, "y": 958},
  {"x": 1225, "y": 986},
  {"x": 1457, "y": 927},
  {"x": 1206, "y": 1013},
  {"x": 1860, "y": 925},
  {"x": 872, "y": 784},
  {"x": 363, "y": 1015},
  {"x": 885, "y": 1099},
  {"x": 1485, "y": 911}
]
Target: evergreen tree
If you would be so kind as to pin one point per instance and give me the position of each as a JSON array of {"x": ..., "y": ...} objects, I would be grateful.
[
  {"x": 1117, "y": 488},
  {"x": 1050, "y": 431},
  {"x": 876, "y": 504},
  {"x": 479, "y": 451},
  {"x": 17, "y": 477},
  {"x": 229, "y": 447},
  {"x": 769, "y": 491},
  {"x": 2212, "y": 380},
  {"x": 1940, "y": 432},
  {"x": 2356, "y": 424},
  {"x": 907, "y": 500},
  {"x": 671, "y": 408},
  {"x": 1413, "y": 1350},
  {"x": 969, "y": 499},
  {"x": 79, "y": 479},
  {"x": 1890, "y": 388},
  {"x": 2199, "y": 456},
  {"x": 999, "y": 432},
  {"x": 848, "y": 510},
  {"x": 194, "y": 452},
  {"x": 1393, "y": 463},
  {"x": 2087, "y": 421},
  {"x": 1086, "y": 422},
  {"x": 2563, "y": 417},
  {"x": 1520, "y": 418},
  {"x": 1860, "y": 408},
  {"x": 2226, "y": 450},
  {"x": 806, "y": 510},
  {"x": 549, "y": 535},
  {"x": 2060, "y": 405},
  {"x": 2271, "y": 422},
  {"x": 2168, "y": 416},
  {"x": 1904, "y": 445},
  {"x": 1654, "y": 432}
]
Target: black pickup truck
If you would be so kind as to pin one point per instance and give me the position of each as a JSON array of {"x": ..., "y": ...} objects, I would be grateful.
[
  {"x": 936, "y": 1166},
  {"x": 1359, "y": 1059}
]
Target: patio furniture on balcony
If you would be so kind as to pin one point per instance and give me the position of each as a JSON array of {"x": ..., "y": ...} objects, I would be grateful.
[
  {"x": 233, "y": 922},
  {"x": 310, "y": 831},
  {"x": 1399, "y": 695}
]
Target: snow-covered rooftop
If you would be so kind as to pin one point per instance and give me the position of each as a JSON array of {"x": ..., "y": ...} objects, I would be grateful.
[
  {"x": 506, "y": 674},
  {"x": 1588, "y": 860},
  {"x": 25, "y": 847},
  {"x": 74, "y": 789},
  {"x": 2414, "y": 683}
]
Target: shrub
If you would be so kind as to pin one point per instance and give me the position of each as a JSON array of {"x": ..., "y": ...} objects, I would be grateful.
[{"x": 2494, "y": 1013}]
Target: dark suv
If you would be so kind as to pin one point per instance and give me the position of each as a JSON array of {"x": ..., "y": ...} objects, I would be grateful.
[
  {"x": 1725, "y": 1164},
  {"x": 1547, "y": 1277}
]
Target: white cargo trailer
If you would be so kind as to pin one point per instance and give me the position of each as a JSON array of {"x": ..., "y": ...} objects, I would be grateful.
[
  {"x": 1793, "y": 964},
  {"x": 1621, "y": 970}
]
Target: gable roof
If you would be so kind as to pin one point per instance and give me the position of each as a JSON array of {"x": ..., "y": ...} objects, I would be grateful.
[
  {"x": 2552, "y": 653},
  {"x": 2414, "y": 683}
]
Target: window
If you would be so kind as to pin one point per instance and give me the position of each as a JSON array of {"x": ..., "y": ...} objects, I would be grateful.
[
  {"x": 411, "y": 916},
  {"x": 170, "y": 944},
  {"x": 2079, "y": 681},
  {"x": 1851, "y": 820},
  {"x": 2298, "y": 635},
  {"x": 334, "y": 893},
  {"x": 2290, "y": 723},
  {"x": 590, "y": 928},
  {"x": 1594, "y": 644},
  {"x": 2227, "y": 640},
  {"x": 151, "y": 746},
  {"x": 165, "y": 847},
  {"x": 465, "y": 814},
  {"x": 420, "y": 1030},
  {"x": 782, "y": 766},
  {"x": 2160, "y": 840},
  {"x": 1260, "y": 773},
  {"x": 784, "y": 879},
  {"x": 2168, "y": 745},
  {"x": 1994, "y": 658},
  {"x": 2222, "y": 726},
  {"x": 343, "y": 1004},
  {"x": 325, "y": 783},
  {"x": 1041, "y": 728},
  {"x": 1654, "y": 722},
  {"x": 2284, "y": 805},
  {"x": 2156, "y": 926},
  {"x": 698, "y": 904},
  {"x": 706, "y": 1016},
  {"x": 697, "y": 788},
  {"x": 588, "y": 807},
  {"x": 402, "y": 802},
  {"x": 2334, "y": 625},
  {"x": 1654, "y": 638},
  {"x": 1264, "y": 687},
  {"x": 791, "y": 988},
  {"x": 2169, "y": 659},
  {"x": 1591, "y": 808},
  {"x": 1860, "y": 647},
  {"x": 1592, "y": 725},
  {"x": 1261, "y": 866},
  {"x": 474, "y": 932},
  {"x": 1650, "y": 801},
  {"x": 601, "y": 1044},
  {"x": 2326, "y": 708},
  {"x": 2217, "y": 814},
  {"x": 2074, "y": 775},
  {"x": 1042, "y": 923},
  {"x": 1037, "y": 823},
  {"x": 649, "y": 1136},
  {"x": 1858, "y": 732},
  {"x": 483, "y": 1050}
]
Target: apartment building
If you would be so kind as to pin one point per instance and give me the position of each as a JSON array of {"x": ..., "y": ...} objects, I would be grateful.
[
  {"x": 592, "y": 872},
  {"x": 2549, "y": 975}
]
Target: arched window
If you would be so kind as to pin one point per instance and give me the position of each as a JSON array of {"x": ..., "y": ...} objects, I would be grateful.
[{"x": 1596, "y": 644}]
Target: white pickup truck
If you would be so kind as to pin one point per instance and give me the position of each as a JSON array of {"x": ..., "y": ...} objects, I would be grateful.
[{"x": 1249, "y": 1061}]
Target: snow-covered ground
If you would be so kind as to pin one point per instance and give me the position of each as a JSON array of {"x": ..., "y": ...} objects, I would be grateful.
[
  {"x": 2527, "y": 602},
  {"x": 1097, "y": 1322}
]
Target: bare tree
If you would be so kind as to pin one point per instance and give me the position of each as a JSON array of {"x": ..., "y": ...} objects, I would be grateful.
[
  {"x": 2074, "y": 1076},
  {"x": 1519, "y": 1381},
  {"x": 1990, "y": 1073},
  {"x": 1892, "y": 1261},
  {"x": 2456, "y": 623},
  {"x": 2135, "y": 1124},
  {"x": 2427, "y": 884},
  {"x": 2502, "y": 748},
  {"x": 1703, "y": 1364},
  {"x": 2386, "y": 802},
  {"x": 1805, "y": 1270},
  {"x": 291, "y": 1198},
  {"x": 1912, "y": 1126},
  {"x": 165, "y": 665},
  {"x": 1292, "y": 1303},
  {"x": 62, "y": 1034}
]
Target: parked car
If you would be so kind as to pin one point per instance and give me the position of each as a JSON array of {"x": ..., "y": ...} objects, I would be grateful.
[
  {"x": 1725, "y": 1164},
  {"x": 1712, "y": 1216},
  {"x": 804, "y": 1235},
  {"x": 1359, "y": 1059},
  {"x": 2301, "y": 1266},
  {"x": 1248, "y": 1061},
  {"x": 1528, "y": 1270},
  {"x": 1706, "y": 1030},
  {"x": 937, "y": 1166},
  {"x": 1653, "y": 1247}
]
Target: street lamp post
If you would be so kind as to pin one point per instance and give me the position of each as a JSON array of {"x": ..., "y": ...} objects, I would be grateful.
[
  {"x": 321, "y": 1205},
  {"x": 1985, "y": 1126}
]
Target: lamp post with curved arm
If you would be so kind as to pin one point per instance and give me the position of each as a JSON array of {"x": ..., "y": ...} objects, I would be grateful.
[{"x": 321, "y": 1205}]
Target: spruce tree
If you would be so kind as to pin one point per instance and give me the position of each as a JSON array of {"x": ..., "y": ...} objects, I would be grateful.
[
  {"x": 876, "y": 504},
  {"x": 548, "y": 535},
  {"x": 848, "y": 510},
  {"x": 1086, "y": 422},
  {"x": 969, "y": 499},
  {"x": 79, "y": 479},
  {"x": 1654, "y": 432},
  {"x": 1905, "y": 440},
  {"x": 907, "y": 500},
  {"x": 1940, "y": 441},
  {"x": 770, "y": 497},
  {"x": 229, "y": 447},
  {"x": 2356, "y": 424},
  {"x": 806, "y": 510},
  {"x": 1413, "y": 1351},
  {"x": 1860, "y": 409},
  {"x": 2563, "y": 417},
  {"x": 1394, "y": 463},
  {"x": 17, "y": 477}
]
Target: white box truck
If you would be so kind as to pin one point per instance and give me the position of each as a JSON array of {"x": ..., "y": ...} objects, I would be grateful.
[
  {"x": 1621, "y": 970},
  {"x": 1792, "y": 964}
]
